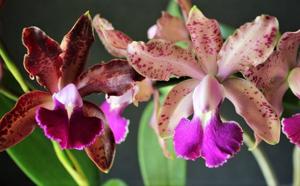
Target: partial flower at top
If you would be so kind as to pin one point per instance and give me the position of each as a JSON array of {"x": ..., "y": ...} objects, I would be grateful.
[
  {"x": 65, "y": 117},
  {"x": 210, "y": 63},
  {"x": 116, "y": 43}
]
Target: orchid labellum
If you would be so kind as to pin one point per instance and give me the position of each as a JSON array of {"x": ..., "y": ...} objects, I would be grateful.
[
  {"x": 210, "y": 64},
  {"x": 61, "y": 111}
]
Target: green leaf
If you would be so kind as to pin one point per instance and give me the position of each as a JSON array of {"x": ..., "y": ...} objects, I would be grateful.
[
  {"x": 114, "y": 182},
  {"x": 226, "y": 30},
  {"x": 156, "y": 169}
]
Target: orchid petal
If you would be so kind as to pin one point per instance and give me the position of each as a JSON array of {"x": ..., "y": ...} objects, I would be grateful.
[
  {"x": 43, "y": 59},
  {"x": 19, "y": 122},
  {"x": 75, "y": 46},
  {"x": 112, "y": 78},
  {"x": 185, "y": 6},
  {"x": 117, "y": 123},
  {"x": 113, "y": 40},
  {"x": 208, "y": 95},
  {"x": 251, "y": 104},
  {"x": 169, "y": 28},
  {"x": 206, "y": 38},
  {"x": 258, "y": 37},
  {"x": 144, "y": 90},
  {"x": 221, "y": 141},
  {"x": 69, "y": 96},
  {"x": 294, "y": 81},
  {"x": 291, "y": 128},
  {"x": 188, "y": 138},
  {"x": 159, "y": 60},
  {"x": 178, "y": 104}
]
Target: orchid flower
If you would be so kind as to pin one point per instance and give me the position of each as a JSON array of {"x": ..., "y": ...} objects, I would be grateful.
[
  {"x": 210, "y": 64},
  {"x": 116, "y": 43},
  {"x": 280, "y": 72},
  {"x": 61, "y": 111}
]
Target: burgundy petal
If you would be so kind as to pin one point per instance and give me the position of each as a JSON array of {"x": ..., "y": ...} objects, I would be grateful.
[
  {"x": 42, "y": 60},
  {"x": 117, "y": 123},
  {"x": 75, "y": 46},
  {"x": 112, "y": 78},
  {"x": 291, "y": 128},
  {"x": 19, "y": 122}
]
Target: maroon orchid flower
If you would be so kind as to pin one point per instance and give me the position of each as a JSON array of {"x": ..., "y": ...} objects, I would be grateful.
[{"x": 61, "y": 112}]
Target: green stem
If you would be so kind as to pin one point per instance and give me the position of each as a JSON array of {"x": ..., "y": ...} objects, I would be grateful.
[
  {"x": 13, "y": 69},
  {"x": 76, "y": 164},
  {"x": 8, "y": 94},
  {"x": 262, "y": 161},
  {"x": 296, "y": 164},
  {"x": 79, "y": 179}
]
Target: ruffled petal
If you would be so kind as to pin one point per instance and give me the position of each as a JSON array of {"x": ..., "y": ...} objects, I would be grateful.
[
  {"x": 178, "y": 104},
  {"x": 206, "y": 38},
  {"x": 112, "y": 78},
  {"x": 251, "y": 104},
  {"x": 113, "y": 40},
  {"x": 169, "y": 28},
  {"x": 160, "y": 60},
  {"x": 71, "y": 132},
  {"x": 207, "y": 96},
  {"x": 75, "y": 46},
  {"x": 221, "y": 141},
  {"x": 291, "y": 128},
  {"x": 258, "y": 37},
  {"x": 19, "y": 122},
  {"x": 294, "y": 81},
  {"x": 117, "y": 123},
  {"x": 42, "y": 60},
  {"x": 188, "y": 138}
]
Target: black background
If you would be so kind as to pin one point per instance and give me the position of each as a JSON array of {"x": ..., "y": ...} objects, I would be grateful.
[{"x": 134, "y": 17}]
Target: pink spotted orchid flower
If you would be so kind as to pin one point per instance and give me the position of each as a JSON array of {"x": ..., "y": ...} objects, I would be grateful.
[
  {"x": 280, "y": 72},
  {"x": 210, "y": 64},
  {"x": 61, "y": 112},
  {"x": 116, "y": 43}
]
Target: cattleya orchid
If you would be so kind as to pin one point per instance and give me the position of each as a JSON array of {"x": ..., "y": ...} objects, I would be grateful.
[
  {"x": 210, "y": 63},
  {"x": 280, "y": 72},
  {"x": 116, "y": 43},
  {"x": 61, "y": 112}
]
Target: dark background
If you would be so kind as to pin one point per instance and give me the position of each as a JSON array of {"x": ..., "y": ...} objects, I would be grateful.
[{"x": 134, "y": 17}]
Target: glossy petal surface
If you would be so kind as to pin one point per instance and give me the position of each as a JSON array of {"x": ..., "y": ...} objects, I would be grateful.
[
  {"x": 19, "y": 122},
  {"x": 258, "y": 37},
  {"x": 112, "y": 78},
  {"x": 291, "y": 128},
  {"x": 251, "y": 104},
  {"x": 160, "y": 60}
]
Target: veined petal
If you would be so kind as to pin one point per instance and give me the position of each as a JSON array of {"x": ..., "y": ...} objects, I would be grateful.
[
  {"x": 169, "y": 28},
  {"x": 19, "y": 122},
  {"x": 291, "y": 128},
  {"x": 42, "y": 60},
  {"x": 221, "y": 140},
  {"x": 75, "y": 46},
  {"x": 178, "y": 104},
  {"x": 159, "y": 60},
  {"x": 185, "y": 6},
  {"x": 207, "y": 96},
  {"x": 294, "y": 81},
  {"x": 188, "y": 138},
  {"x": 113, "y": 40},
  {"x": 258, "y": 37},
  {"x": 206, "y": 38},
  {"x": 251, "y": 104},
  {"x": 117, "y": 123},
  {"x": 112, "y": 78}
]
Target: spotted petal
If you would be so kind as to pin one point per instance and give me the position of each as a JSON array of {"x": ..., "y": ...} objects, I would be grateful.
[
  {"x": 178, "y": 104},
  {"x": 160, "y": 60},
  {"x": 169, "y": 28},
  {"x": 75, "y": 46},
  {"x": 206, "y": 38},
  {"x": 114, "y": 41},
  {"x": 258, "y": 37},
  {"x": 291, "y": 128},
  {"x": 42, "y": 60},
  {"x": 19, "y": 122},
  {"x": 113, "y": 78},
  {"x": 251, "y": 104}
]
